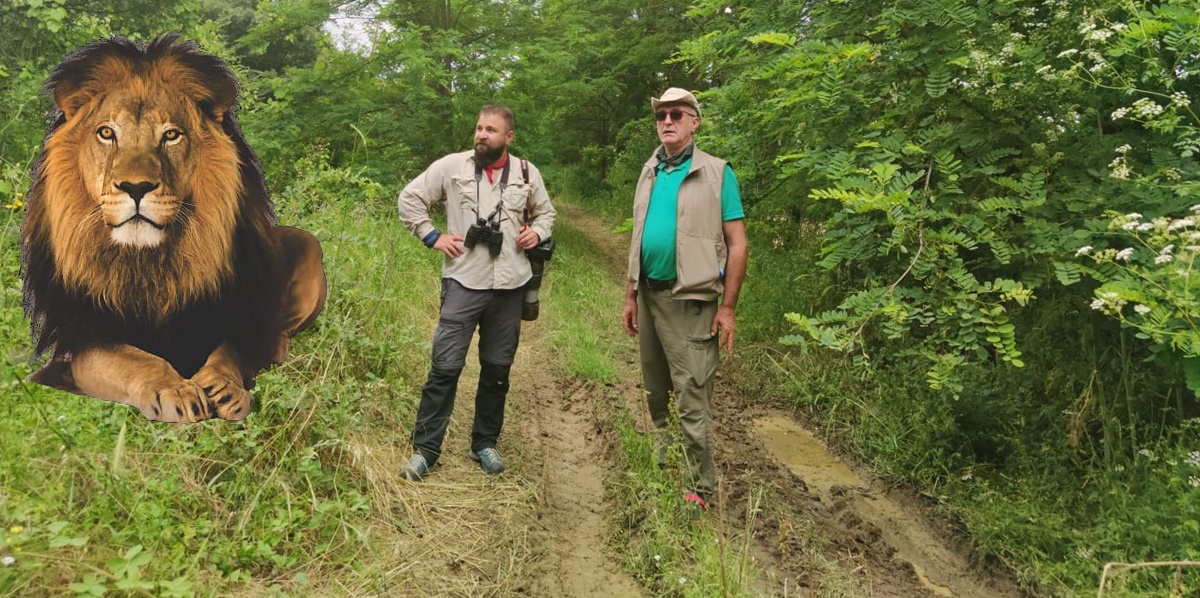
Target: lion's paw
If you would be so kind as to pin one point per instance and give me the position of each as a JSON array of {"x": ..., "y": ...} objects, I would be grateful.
[
  {"x": 180, "y": 402},
  {"x": 228, "y": 397}
]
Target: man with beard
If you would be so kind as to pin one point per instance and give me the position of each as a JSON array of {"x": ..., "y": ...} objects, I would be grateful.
[{"x": 496, "y": 208}]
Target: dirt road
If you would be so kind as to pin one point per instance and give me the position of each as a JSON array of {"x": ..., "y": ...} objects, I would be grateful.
[{"x": 819, "y": 527}]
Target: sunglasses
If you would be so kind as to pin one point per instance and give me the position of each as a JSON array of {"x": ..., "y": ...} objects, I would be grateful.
[{"x": 675, "y": 114}]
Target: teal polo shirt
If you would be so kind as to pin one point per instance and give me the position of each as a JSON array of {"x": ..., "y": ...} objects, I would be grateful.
[{"x": 658, "y": 235}]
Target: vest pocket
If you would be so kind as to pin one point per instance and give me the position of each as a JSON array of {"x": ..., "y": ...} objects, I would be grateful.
[{"x": 698, "y": 264}]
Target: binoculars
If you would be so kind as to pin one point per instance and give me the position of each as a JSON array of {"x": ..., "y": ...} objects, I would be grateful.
[{"x": 487, "y": 233}]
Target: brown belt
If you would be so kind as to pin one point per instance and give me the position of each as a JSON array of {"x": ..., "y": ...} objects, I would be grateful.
[{"x": 658, "y": 285}]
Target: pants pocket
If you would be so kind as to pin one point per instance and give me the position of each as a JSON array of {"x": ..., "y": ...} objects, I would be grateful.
[
  {"x": 702, "y": 343},
  {"x": 450, "y": 344}
]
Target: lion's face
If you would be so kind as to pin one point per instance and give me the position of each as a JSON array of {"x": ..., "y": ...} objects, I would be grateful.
[
  {"x": 141, "y": 185},
  {"x": 138, "y": 164}
]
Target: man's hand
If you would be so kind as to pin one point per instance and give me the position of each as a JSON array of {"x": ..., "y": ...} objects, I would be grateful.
[
  {"x": 451, "y": 245},
  {"x": 629, "y": 317},
  {"x": 527, "y": 239},
  {"x": 724, "y": 321}
]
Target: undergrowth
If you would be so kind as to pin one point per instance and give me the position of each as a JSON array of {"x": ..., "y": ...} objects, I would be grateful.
[{"x": 96, "y": 498}]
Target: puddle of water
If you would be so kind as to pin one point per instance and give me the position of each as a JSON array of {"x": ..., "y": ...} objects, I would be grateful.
[
  {"x": 804, "y": 455},
  {"x": 807, "y": 457}
]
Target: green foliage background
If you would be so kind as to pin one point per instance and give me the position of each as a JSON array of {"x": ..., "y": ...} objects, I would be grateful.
[{"x": 921, "y": 178}]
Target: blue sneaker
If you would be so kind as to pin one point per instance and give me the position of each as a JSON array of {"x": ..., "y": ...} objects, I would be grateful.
[
  {"x": 415, "y": 469},
  {"x": 489, "y": 459}
]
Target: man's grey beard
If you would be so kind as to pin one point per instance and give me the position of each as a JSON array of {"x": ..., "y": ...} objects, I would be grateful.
[{"x": 488, "y": 155}]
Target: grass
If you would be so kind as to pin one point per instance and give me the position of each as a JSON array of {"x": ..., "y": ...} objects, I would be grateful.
[
  {"x": 302, "y": 497},
  {"x": 299, "y": 498}
]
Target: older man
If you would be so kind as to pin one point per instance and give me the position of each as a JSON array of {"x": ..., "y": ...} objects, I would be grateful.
[
  {"x": 497, "y": 208},
  {"x": 687, "y": 259}
]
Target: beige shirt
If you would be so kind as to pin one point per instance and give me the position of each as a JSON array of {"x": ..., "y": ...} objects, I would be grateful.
[{"x": 452, "y": 179}]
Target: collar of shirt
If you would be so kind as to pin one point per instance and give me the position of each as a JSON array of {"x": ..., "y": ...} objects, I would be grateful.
[
  {"x": 671, "y": 162},
  {"x": 497, "y": 165}
]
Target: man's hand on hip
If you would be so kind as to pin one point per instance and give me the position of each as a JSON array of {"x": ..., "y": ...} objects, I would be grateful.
[
  {"x": 725, "y": 322},
  {"x": 451, "y": 245},
  {"x": 527, "y": 239}
]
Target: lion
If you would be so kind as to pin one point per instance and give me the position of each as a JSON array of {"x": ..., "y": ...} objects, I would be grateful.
[{"x": 152, "y": 262}]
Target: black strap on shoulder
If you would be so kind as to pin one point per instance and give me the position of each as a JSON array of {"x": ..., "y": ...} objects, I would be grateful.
[{"x": 525, "y": 171}]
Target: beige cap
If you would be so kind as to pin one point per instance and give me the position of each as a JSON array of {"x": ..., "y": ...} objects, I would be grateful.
[{"x": 676, "y": 95}]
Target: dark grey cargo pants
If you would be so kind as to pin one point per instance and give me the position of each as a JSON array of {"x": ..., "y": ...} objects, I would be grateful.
[{"x": 497, "y": 313}]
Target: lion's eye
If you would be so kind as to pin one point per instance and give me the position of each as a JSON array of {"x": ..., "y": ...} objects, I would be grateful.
[
  {"x": 106, "y": 133},
  {"x": 172, "y": 135}
]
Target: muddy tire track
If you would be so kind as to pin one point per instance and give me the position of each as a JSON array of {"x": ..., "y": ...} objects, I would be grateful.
[
  {"x": 567, "y": 457},
  {"x": 885, "y": 542}
]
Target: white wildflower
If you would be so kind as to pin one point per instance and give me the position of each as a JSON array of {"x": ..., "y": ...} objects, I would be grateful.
[
  {"x": 1132, "y": 224},
  {"x": 1120, "y": 113},
  {"x": 1087, "y": 28},
  {"x": 1098, "y": 304},
  {"x": 968, "y": 477},
  {"x": 1193, "y": 248},
  {"x": 1124, "y": 254},
  {"x": 1181, "y": 223},
  {"x": 1194, "y": 481},
  {"x": 1147, "y": 108},
  {"x": 1195, "y": 208},
  {"x": 1066, "y": 53},
  {"x": 7, "y": 560},
  {"x": 1119, "y": 468},
  {"x": 1142, "y": 309},
  {"x": 1120, "y": 172},
  {"x": 1098, "y": 35},
  {"x": 1118, "y": 26},
  {"x": 682, "y": 580},
  {"x": 1145, "y": 226},
  {"x": 1084, "y": 553},
  {"x": 1194, "y": 458},
  {"x": 1168, "y": 248},
  {"x": 1124, "y": 149},
  {"x": 1145, "y": 452},
  {"x": 1162, "y": 259},
  {"x": 1083, "y": 250},
  {"x": 1043, "y": 70},
  {"x": 1194, "y": 236},
  {"x": 1180, "y": 99}
]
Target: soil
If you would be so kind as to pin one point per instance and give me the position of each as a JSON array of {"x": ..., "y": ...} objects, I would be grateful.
[{"x": 563, "y": 451}]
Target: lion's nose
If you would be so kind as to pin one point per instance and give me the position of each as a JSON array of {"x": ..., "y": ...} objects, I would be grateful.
[{"x": 137, "y": 190}]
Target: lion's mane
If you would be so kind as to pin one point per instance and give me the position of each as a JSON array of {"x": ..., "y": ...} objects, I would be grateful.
[{"x": 215, "y": 278}]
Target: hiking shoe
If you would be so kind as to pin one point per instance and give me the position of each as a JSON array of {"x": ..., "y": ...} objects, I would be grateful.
[
  {"x": 489, "y": 459},
  {"x": 416, "y": 468},
  {"x": 697, "y": 500}
]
